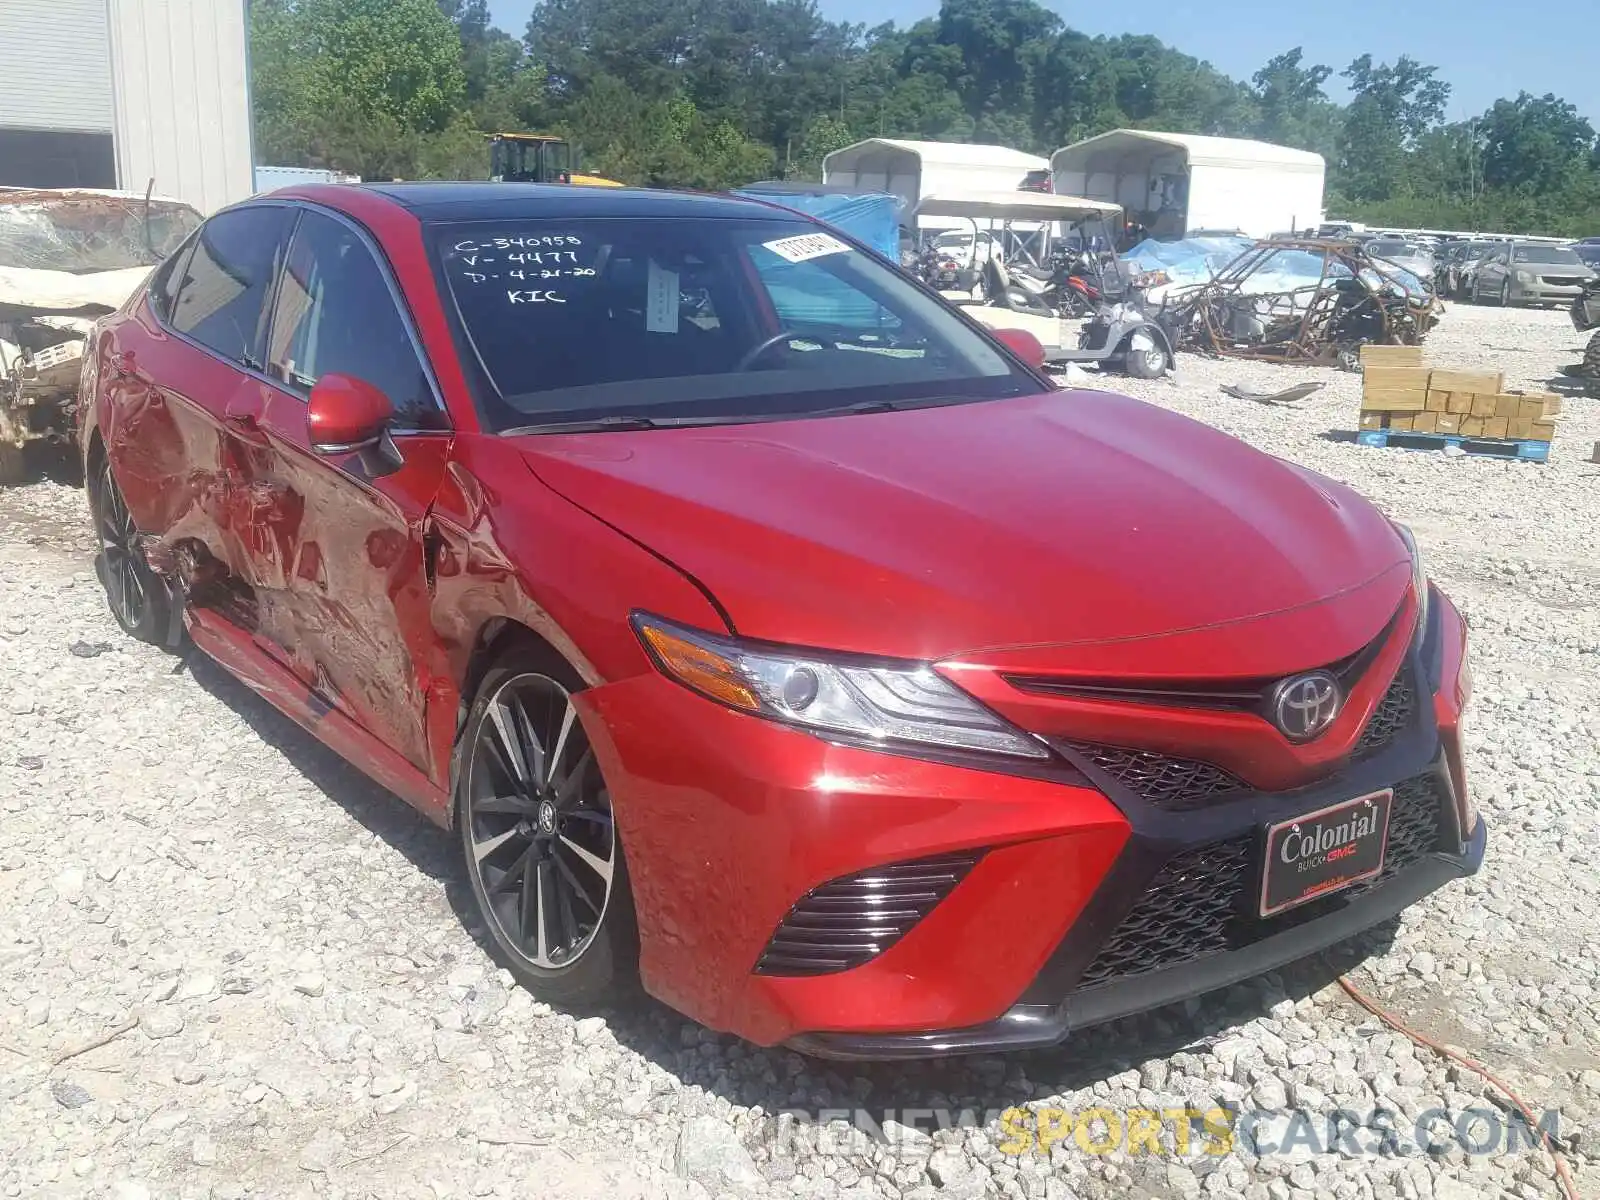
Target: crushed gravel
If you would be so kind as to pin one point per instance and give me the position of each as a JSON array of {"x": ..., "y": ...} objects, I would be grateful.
[{"x": 231, "y": 966}]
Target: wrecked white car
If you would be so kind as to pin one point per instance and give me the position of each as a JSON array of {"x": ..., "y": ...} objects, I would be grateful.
[{"x": 67, "y": 257}]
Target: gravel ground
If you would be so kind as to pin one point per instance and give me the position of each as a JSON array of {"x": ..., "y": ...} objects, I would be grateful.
[{"x": 231, "y": 966}]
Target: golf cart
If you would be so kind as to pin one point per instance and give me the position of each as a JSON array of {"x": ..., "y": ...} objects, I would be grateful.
[{"x": 1030, "y": 282}]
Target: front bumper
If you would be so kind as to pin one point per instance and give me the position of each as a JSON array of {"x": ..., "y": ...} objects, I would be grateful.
[
  {"x": 1540, "y": 292},
  {"x": 1034, "y": 1025},
  {"x": 728, "y": 822}
]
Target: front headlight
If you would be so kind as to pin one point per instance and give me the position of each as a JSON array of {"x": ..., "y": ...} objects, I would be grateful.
[
  {"x": 1524, "y": 276},
  {"x": 1419, "y": 573},
  {"x": 872, "y": 701}
]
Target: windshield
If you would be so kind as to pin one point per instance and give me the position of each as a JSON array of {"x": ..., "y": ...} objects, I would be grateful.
[
  {"x": 86, "y": 233},
  {"x": 1557, "y": 255},
  {"x": 704, "y": 319}
]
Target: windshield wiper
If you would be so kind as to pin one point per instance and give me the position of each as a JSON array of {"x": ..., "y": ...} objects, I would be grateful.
[
  {"x": 625, "y": 422},
  {"x": 619, "y": 423},
  {"x": 882, "y": 406}
]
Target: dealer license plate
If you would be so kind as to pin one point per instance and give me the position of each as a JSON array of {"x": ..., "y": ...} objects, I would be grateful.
[{"x": 1325, "y": 851}]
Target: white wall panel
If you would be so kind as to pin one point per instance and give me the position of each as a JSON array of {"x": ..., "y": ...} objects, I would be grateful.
[{"x": 182, "y": 99}]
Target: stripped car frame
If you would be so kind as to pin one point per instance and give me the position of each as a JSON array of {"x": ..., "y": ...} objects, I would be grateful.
[{"x": 1351, "y": 299}]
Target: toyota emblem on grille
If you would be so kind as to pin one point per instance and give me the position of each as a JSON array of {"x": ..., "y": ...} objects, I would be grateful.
[{"x": 1304, "y": 705}]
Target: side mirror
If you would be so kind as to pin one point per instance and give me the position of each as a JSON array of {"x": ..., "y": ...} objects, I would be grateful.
[
  {"x": 1024, "y": 345},
  {"x": 346, "y": 415}
]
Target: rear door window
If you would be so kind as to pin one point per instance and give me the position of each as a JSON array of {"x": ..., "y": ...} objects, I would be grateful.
[
  {"x": 164, "y": 286},
  {"x": 336, "y": 314},
  {"x": 221, "y": 300}
]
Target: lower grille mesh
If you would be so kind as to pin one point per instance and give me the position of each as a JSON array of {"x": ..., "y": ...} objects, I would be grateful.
[
  {"x": 845, "y": 922},
  {"x": 1200, "y": 902}
]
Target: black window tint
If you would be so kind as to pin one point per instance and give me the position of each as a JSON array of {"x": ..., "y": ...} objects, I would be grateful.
[
  {"x": 164, "y": 285},
  {"x": 335, "y": 313},
  {"x": 227, "y": 279}
]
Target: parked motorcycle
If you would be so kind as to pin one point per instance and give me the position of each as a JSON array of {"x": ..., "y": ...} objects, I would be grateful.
[
  {"x": 1077, "y": 286},
  {"x": 1020, "y": 291},
  {"x": 943, "y": 272}
]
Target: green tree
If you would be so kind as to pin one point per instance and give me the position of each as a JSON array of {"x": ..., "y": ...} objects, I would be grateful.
[
  {"x": 1536, "y": 144},
  {"x": 346, "y": 82},
  {"x": 1295, "y": 111},
  {"x": 1392, "y": 109},
  {"x": 397, "y": 58},
  {"x": 822, "y": 137}
]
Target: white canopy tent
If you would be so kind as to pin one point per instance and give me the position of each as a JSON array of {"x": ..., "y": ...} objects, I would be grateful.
[
  {"x": 1035, "y": 217},
  {"x": 1181, "y": 183},
  {"x": 1017, "y": 206},
  {"x": 916, "y": 169}
]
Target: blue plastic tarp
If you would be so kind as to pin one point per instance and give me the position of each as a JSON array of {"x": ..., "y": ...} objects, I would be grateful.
[
  {"x": 873, "y": 218},
  {"x": 1188, "y": 260},
  {"x": 1192, "y": 261}
]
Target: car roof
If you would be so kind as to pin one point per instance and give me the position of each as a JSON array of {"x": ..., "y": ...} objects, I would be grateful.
[{"x": 472, "y": 201}]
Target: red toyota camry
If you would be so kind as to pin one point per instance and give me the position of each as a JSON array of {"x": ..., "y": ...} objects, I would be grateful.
[{"x": 767, "y": 632}]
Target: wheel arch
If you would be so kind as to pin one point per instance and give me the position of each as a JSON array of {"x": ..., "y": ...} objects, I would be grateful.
[{"x": 496, "y": 636}]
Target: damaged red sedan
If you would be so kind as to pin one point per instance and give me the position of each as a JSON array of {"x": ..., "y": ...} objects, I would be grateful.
[{"x": 768, "y": 633}]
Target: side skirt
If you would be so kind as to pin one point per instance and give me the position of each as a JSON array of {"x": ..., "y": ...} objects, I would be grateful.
[{"x": 236, "y": 652}]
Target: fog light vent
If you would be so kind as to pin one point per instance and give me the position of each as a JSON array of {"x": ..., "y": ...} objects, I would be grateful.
[{"x": 845, "y": 922}]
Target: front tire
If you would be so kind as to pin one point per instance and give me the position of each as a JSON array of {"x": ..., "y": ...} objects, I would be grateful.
[
  {"x": 1591, "y": 358},
  {"x": 13, "y": 465},
  {"x": 538, "y": 839},
  {"x": 1146, "y": 364},
  {"x": 1505, "y": 294}
]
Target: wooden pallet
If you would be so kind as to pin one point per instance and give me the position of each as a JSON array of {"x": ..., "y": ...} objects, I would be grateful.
[{"x": 1524, "y": 448}]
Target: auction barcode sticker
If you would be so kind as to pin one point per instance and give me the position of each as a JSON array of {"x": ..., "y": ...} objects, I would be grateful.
[{"x": 806, "y": 245}]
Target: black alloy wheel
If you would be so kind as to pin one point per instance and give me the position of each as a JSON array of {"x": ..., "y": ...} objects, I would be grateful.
[
  {"x": 138, "y": 598},
  {"x": 537, "y": 832}
]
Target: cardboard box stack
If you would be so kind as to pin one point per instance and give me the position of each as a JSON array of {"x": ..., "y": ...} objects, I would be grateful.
[{"x": 1399, "y": 392}]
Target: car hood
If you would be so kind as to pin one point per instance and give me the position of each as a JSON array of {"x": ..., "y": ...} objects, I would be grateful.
[
  {"x": 94, "y": 292},
  {"x": 1066, "y": 518}
]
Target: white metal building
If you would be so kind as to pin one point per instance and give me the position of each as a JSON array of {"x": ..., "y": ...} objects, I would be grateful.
[
  {"x": 917, "y": 169},
  {"x": 1177, "y": 183},
  {"x": 120, "y": 93}
]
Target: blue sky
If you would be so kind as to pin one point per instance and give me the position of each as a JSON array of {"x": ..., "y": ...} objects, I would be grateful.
[{"x": 1484, "y": 48}]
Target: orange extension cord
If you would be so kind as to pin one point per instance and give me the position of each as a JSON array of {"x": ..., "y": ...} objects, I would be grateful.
[{"x": 1563, "y": 1175}]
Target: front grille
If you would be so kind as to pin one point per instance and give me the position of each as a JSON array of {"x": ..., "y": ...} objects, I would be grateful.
[
  {"x": 1185, "y": 784},
  {"x": 1170, "y": 784},
  {"x": 1563, "y": 280},
  {"x": 1392, "y": 716},
  {"x": 1202, "y": 901},
  {"x": 845, "y": 922}
]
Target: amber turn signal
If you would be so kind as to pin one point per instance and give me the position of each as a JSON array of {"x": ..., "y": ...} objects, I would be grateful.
[{"x": 699, "y": 667}]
